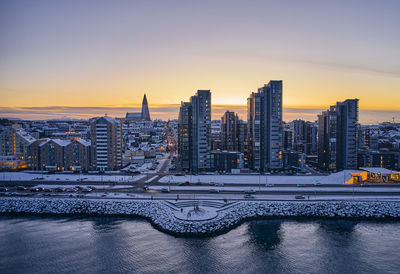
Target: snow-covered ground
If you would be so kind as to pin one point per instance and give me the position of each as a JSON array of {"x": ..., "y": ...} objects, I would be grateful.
[
  {"x": 278, "y": 189},
  {"x": 204, "y": 213},
  {"x": 25, "y": 176},
  {"x": 334, "y": 178},
  {"x": 145, "y": 168}
]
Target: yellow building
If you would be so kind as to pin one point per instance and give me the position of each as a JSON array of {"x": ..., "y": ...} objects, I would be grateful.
[{"x": 375, "y": 175}]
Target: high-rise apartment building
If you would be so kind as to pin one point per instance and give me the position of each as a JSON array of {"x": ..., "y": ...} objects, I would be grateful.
[
  {"x": 304, "y": 136},
  {"x": 264, "y": 125},
  {"x": 229, "y": 131},
  {"x": 184, "y": 135},
  {"x": 195, "y": 121},
  {"x": 106, "y": 139},
  {"x": 15, "y": 141},
  {"x": 337, "y": 136}
]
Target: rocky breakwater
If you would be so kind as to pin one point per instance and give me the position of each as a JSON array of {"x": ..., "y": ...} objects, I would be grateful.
[{"x": 162, "y": 216}]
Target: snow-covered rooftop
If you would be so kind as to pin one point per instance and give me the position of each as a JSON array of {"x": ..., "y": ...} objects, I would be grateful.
[
  {"x": 376, "y": 169},
  {"x": 83, "y": 142},
  {"x": 23, "y": 134}
]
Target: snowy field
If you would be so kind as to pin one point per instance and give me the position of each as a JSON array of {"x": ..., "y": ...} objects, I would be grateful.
[
  {"x": 24, "y": 176},
  {"x": 335, "y": 178},
  {"x": 145, "y": 168}
]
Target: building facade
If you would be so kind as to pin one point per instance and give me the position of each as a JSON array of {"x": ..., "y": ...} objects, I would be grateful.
[
  {"x": 264, "y": 126},
  {"x": 337, "y": 136},
  {"x": 184, "y": 135},
  {"x": 195, "y": 123},
  {"x": 15, "y": 141},
  {"x": 106, "y": 140},
  {"x": 229, "y": 131}
]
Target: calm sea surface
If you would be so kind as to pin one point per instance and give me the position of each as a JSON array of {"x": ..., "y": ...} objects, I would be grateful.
[{"x": 114, "y": 245}]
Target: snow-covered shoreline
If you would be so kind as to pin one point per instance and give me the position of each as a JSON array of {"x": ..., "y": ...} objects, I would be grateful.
[{"x": 161, "y": 214}]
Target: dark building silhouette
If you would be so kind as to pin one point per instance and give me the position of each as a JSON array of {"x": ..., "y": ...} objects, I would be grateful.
[
  {"x": 145, "y": 109},
  {"x": 194, "y": 127},
  {"x": 337, "y": 136},
  {"x": 264, "y": 126}
]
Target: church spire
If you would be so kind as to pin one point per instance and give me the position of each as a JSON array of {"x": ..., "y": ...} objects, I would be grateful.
[{"x": 145, "y": 109}]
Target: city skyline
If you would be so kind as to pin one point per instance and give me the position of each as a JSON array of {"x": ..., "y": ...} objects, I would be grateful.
[
  {"x": 53, "y": 66},
  {"x": 171, "y": 111}
]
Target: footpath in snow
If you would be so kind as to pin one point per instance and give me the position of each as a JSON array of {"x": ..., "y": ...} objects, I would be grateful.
[{"x": 334, "y": 178}]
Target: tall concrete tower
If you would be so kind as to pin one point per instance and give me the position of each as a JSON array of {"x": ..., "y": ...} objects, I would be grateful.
[
  {"x": 145, "y": 109},
  {"x": 264, "y": 116}
]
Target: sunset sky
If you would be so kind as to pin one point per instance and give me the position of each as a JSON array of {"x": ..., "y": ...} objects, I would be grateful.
[{"x": 87, "y": 58}]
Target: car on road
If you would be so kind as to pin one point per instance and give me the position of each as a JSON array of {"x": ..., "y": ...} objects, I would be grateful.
[
  {"x": 269, "y": 185},
  {"x": 34, "y": 189},
  {"x": 299, "y": 197},
  {"x": 248, "y": 196},
  {"x": 48, "y": 189},
  {"x": 317, "y": 184},
  {"x": 86, "y": 189},
  {"x": 301, "y": 185},
  {"x": 3, "y": 189},
  {"x": 59, "y": 189},
  {"x": 249, "y": 191},
  {"x": 21, "y": 188},
  {"x": 213, "y": 190},
  {"x": 165, "y": 190}
]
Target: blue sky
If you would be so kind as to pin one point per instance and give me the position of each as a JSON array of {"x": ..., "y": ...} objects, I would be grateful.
[{"x": 108, "y": 53}]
